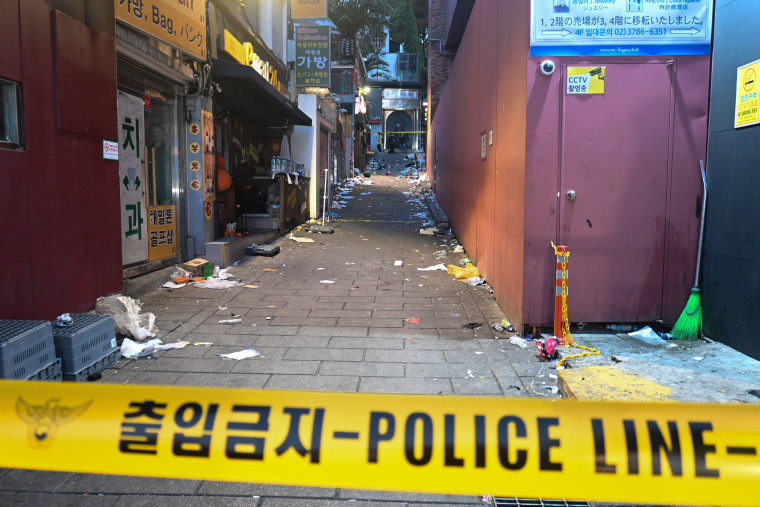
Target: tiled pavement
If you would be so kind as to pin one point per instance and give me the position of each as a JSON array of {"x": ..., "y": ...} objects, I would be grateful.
[{"x": 348, "y": 335}]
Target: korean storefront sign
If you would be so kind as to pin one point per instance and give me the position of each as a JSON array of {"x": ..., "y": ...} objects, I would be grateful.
[
  {"x": 313, "y": 56},
  {"x": 209, "y": 162},
  {"x": 180, "y": 23},
  {"x": 585, "y": 80},
  {"x": 134, "y": 237},
  {"x": 620, "y": 27},
  {"x": 309, "y": 8},
  {"x": 162, "y": 228},
  {"x": 245, "y": 54},
  {"x": 747, "y": 101}
]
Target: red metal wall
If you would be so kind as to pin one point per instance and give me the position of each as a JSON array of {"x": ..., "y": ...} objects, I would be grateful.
[
  {"x": 60, "y": 216},
  {"x": 504, "y": 209},
  {"x": 485, "y": 199}
]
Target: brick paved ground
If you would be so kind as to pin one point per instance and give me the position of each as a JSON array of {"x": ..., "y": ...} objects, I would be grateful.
[{"x": 348, "y": 335}]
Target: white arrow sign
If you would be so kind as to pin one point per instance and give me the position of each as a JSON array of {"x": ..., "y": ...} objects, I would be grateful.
[
  {"x": 564, "y": 32},
  {"x": 684, "y": 31}
]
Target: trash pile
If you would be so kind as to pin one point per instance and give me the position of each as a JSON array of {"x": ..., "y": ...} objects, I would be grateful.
[{"x": 202, "y": 274}]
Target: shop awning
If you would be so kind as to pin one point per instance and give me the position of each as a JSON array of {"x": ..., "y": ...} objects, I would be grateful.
[{"x": 247, "y": 92}]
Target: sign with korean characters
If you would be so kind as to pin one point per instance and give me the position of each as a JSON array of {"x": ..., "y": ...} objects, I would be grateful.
[
  {"x": 620, "y": 27},
  {"x": 585, "y": 80},
  {"x": 313, "y": 56},
  {"x": 180, "y": 23},
  {"x": 309, "y": 8},
  {"x": 747, "y": 102},
  {"x": 134, "y": 237},
  {"x": 162, "y": 229},
  {"x": 209, "y": 162},
  {"x": 597, "y": 451}
]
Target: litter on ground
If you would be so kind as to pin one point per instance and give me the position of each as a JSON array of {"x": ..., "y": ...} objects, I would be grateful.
[
  {"x": 216, "y": 283},
  {"x": 242, "y": 354}
]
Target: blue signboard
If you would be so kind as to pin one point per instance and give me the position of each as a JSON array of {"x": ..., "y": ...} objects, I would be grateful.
[{"x": 620, "y": 27}]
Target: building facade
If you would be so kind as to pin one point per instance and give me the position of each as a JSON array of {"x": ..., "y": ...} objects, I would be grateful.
[
  {"x": 521, "y": 158},
  {"x": 60, "y": 213}
]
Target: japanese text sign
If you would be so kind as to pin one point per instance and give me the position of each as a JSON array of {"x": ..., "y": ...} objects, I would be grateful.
[
  {"x": 620, "y": 27},
  {"x": 180, "y": 23},
  {"x": 313, "y": 56},
  {"x": 747, "y": 102}
]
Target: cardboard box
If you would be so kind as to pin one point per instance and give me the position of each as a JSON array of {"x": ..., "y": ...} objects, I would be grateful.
[{"x": 196, "y": 266}]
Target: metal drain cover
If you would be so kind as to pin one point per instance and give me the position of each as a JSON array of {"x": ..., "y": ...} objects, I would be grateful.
[{"x": 535, "y": 502}]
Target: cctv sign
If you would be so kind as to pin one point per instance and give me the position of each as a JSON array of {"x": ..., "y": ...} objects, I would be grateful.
[{"x": 585, "y": 80}]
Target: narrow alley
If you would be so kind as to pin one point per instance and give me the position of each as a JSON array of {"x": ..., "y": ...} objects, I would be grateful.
[{"x": 338, "y": 314}]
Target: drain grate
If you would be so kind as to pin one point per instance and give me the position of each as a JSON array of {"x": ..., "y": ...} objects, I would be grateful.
[{"x": 535, "y": 502}]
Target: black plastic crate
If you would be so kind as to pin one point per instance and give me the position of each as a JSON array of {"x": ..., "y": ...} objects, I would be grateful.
[
  {"x": 89, "y": 339},
  {"x": 96, "y": 367},
  {"x": 50, "y": 372},
  {"x": 266, "y": 250},
  {"x": 26, "y": 347}
]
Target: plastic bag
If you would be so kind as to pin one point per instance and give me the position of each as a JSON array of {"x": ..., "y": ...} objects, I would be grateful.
[
  {"x": 126, "y": 316},
  {"x": 468, "y": 271},
  {"x": 216, "y": 283}
]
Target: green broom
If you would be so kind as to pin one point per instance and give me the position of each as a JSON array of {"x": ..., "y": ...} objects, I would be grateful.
[{"x": 689, "y": 324}]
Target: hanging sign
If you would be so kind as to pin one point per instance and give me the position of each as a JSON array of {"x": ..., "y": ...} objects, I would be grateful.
[
  {"x": 313, "y": 56},
  {"x": 134, "y": 238},
  {"x": 209, "y": 164},
  {"x": 309, "y": 8},
  {"x": 620, "y": 27},
  {"x": 747, "y": 101},
  {"x": 180, "y": 23},
  {"x": 585, "y": 80}
]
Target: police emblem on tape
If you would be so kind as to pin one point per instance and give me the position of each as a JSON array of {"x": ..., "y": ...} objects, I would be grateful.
[{"x": 43, "y": 421}]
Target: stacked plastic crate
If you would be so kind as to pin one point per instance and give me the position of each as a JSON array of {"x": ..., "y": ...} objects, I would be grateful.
[
  {"x": 39, "y": 350},
  {"x": 27, "y": 351},
  {"x": 87, "y": 346}
]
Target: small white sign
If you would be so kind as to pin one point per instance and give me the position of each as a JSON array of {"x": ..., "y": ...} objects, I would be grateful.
[{"x": 110, "y": 150}]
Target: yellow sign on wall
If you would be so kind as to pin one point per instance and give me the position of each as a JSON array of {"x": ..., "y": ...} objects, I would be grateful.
[
  {"x": 309, "y": 8},
  {"x": 162, "y": 232},
  {"x": 180, "y": 23},
  {"x": 747, "y": 101},
  {"x": 585, "y": 80}
]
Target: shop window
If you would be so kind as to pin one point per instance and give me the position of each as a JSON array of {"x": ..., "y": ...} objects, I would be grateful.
[{"x": 11, "y": 131}]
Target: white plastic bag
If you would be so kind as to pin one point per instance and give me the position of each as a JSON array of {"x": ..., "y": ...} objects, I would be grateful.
[
  {"x": 131, "y": 350},
  {"x": 216, "y": 283},
  {"x": 126, "y": 316}
]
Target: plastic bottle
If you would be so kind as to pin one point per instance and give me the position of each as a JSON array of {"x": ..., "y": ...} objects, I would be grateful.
[{"x": 620, "y": 327}]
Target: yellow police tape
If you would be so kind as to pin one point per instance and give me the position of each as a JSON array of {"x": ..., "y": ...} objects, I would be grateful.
[{"x": 596, "y": 451}]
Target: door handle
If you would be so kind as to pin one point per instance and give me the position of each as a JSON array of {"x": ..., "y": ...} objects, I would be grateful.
[{"x": 570, "y": 195}]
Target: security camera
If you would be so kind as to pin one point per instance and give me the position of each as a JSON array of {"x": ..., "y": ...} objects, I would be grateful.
[{"x": 547, "y": 67}]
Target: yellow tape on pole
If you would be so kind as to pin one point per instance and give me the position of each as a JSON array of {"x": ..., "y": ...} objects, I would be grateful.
[{"x": 621, "y": 452}]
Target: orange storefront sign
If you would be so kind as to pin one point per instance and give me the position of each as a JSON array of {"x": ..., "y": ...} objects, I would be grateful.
[
  {"x": 309, "y": 8},
  {"x": 180, "y": 23}
]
